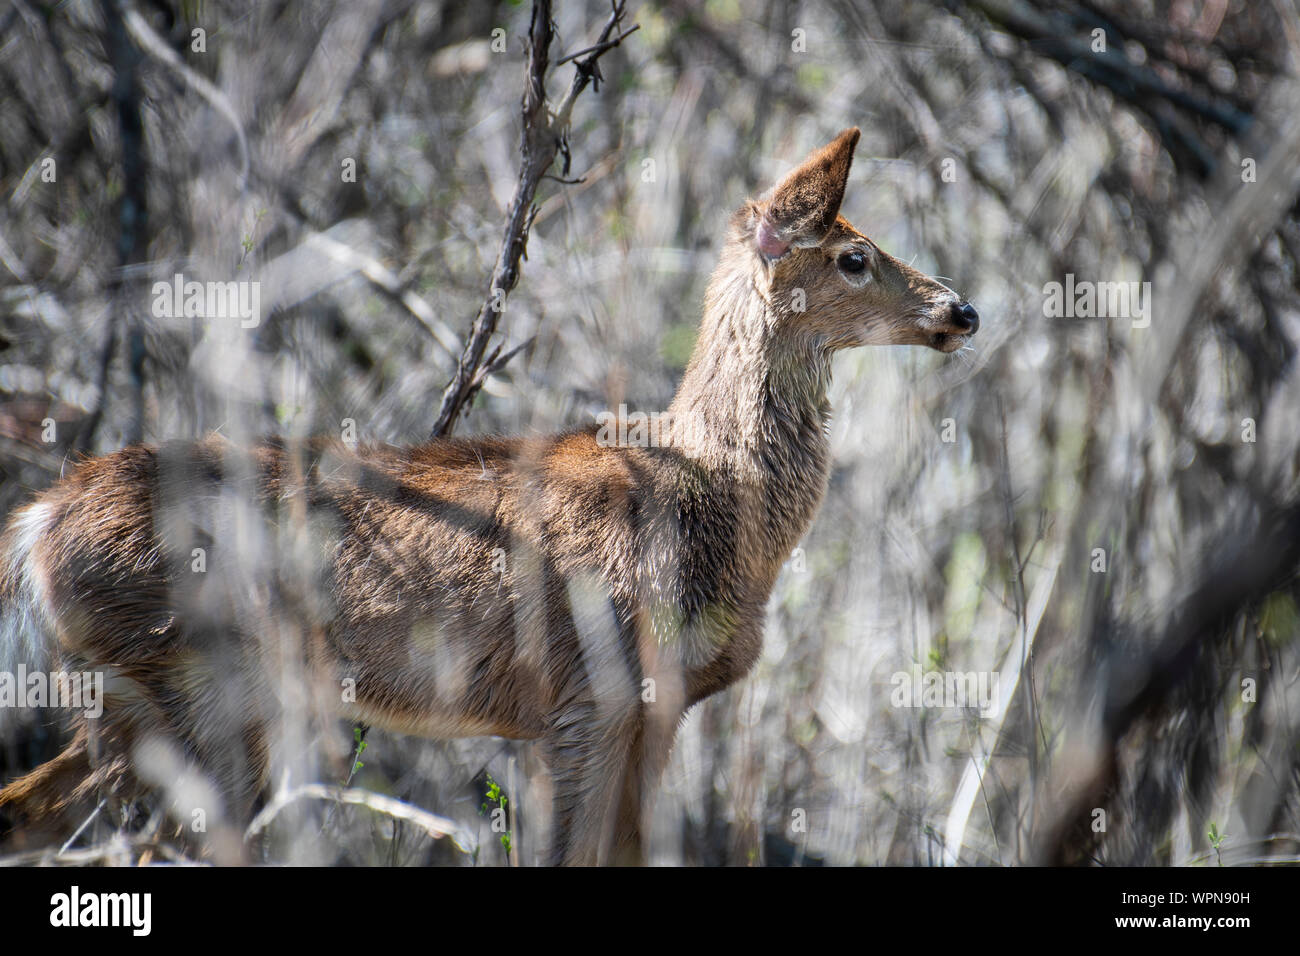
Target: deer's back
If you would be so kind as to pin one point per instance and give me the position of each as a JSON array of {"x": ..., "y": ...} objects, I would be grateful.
[{"x": 458, "y": 587}]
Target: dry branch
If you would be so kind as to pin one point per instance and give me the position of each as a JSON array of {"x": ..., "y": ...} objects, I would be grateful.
[
  {"x": 1052, "y": 35},
  {"x": 544, "y": 137},
  {"x": 1251, "y": 562},
  {"x": 435, "y": 826}
]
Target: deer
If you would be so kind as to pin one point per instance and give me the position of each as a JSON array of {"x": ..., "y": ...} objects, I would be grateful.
[{"x": 570, "y": 590}]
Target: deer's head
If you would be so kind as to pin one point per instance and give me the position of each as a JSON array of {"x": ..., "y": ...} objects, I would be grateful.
[{"x": 830, "y": 283}]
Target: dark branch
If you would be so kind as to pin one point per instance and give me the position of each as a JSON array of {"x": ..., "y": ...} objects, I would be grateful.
[
  {"x": 599, "y": 48},
  {"x": 132, "y": 223},
  {"x": 542, "y": 140},
  {"x": 1051, "y": 35}
]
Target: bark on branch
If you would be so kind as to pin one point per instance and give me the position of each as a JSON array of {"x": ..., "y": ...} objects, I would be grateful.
[{"x": 544, "y": 137}]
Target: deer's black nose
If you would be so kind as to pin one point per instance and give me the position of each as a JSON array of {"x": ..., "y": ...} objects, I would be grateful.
[{"x": 965, "y": 317}]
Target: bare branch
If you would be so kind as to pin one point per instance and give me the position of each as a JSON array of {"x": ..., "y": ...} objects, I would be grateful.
[
  {"x": 387, "y": 282},
  {"x": 150, "y": 42},
  {"x": 599, "y": 48},
  {"x": 1049, "y": 34},
  {"x": 543, "y": 138},
  {"x": 435, "y": 826},
  {"x": 133, "y": 219}
]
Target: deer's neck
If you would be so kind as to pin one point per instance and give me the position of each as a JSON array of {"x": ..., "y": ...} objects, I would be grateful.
[{"x": 753, "y": 402}]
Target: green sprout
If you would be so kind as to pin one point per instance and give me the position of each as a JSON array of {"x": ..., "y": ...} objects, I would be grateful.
[
  {"x": 496, "y": 798},
  {"x": 361, "y": 747},
  {"x": 1216, "y": 841},
  {"x": 246, "y": 244}
]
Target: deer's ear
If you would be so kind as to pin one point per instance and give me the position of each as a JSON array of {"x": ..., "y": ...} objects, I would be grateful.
[{"x": 803, "y": 206}]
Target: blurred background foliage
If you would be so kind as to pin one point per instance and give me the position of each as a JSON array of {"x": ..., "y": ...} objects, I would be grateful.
[{"x": 1002, "y": 150}]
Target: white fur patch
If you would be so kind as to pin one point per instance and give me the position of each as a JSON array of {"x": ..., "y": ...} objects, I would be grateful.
[{"x": 25, "y": 635}]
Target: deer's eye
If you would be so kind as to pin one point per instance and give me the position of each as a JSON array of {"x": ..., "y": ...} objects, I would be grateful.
[{"x": 853, "y": 263}]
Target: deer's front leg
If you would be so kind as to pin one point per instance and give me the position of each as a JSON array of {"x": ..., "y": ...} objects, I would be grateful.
[
  {"x": 649, "y": 755},
  {"x": 590, "y": 752},
  {"x": 606, "y": 765}
]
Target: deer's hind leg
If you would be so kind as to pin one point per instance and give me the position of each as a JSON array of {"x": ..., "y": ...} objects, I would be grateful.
[{"x": 50, "y": 802}]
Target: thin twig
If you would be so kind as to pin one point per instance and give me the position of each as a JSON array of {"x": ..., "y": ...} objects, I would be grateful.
[
  {"x": 599, "y": 47},
  {"x": 84, "y": 823},
  {"x": 389, "y": 283}
]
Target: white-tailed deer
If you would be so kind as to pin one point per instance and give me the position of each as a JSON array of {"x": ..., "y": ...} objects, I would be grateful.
[{"x": 566, "y": 589}]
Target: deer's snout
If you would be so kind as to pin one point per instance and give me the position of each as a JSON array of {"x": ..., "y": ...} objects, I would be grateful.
[{"x": 965, "y": 317}]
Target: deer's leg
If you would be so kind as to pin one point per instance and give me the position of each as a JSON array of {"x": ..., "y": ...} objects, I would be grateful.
[
  {"x": 662, "y": 702},
  {"x": 590, "y": 752},
  {"x": 56, "y": 797},
  {"x": 649, "y": 756},
  {"x": 43, "y": 793},
  {"x": 605, "y": 775}
]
